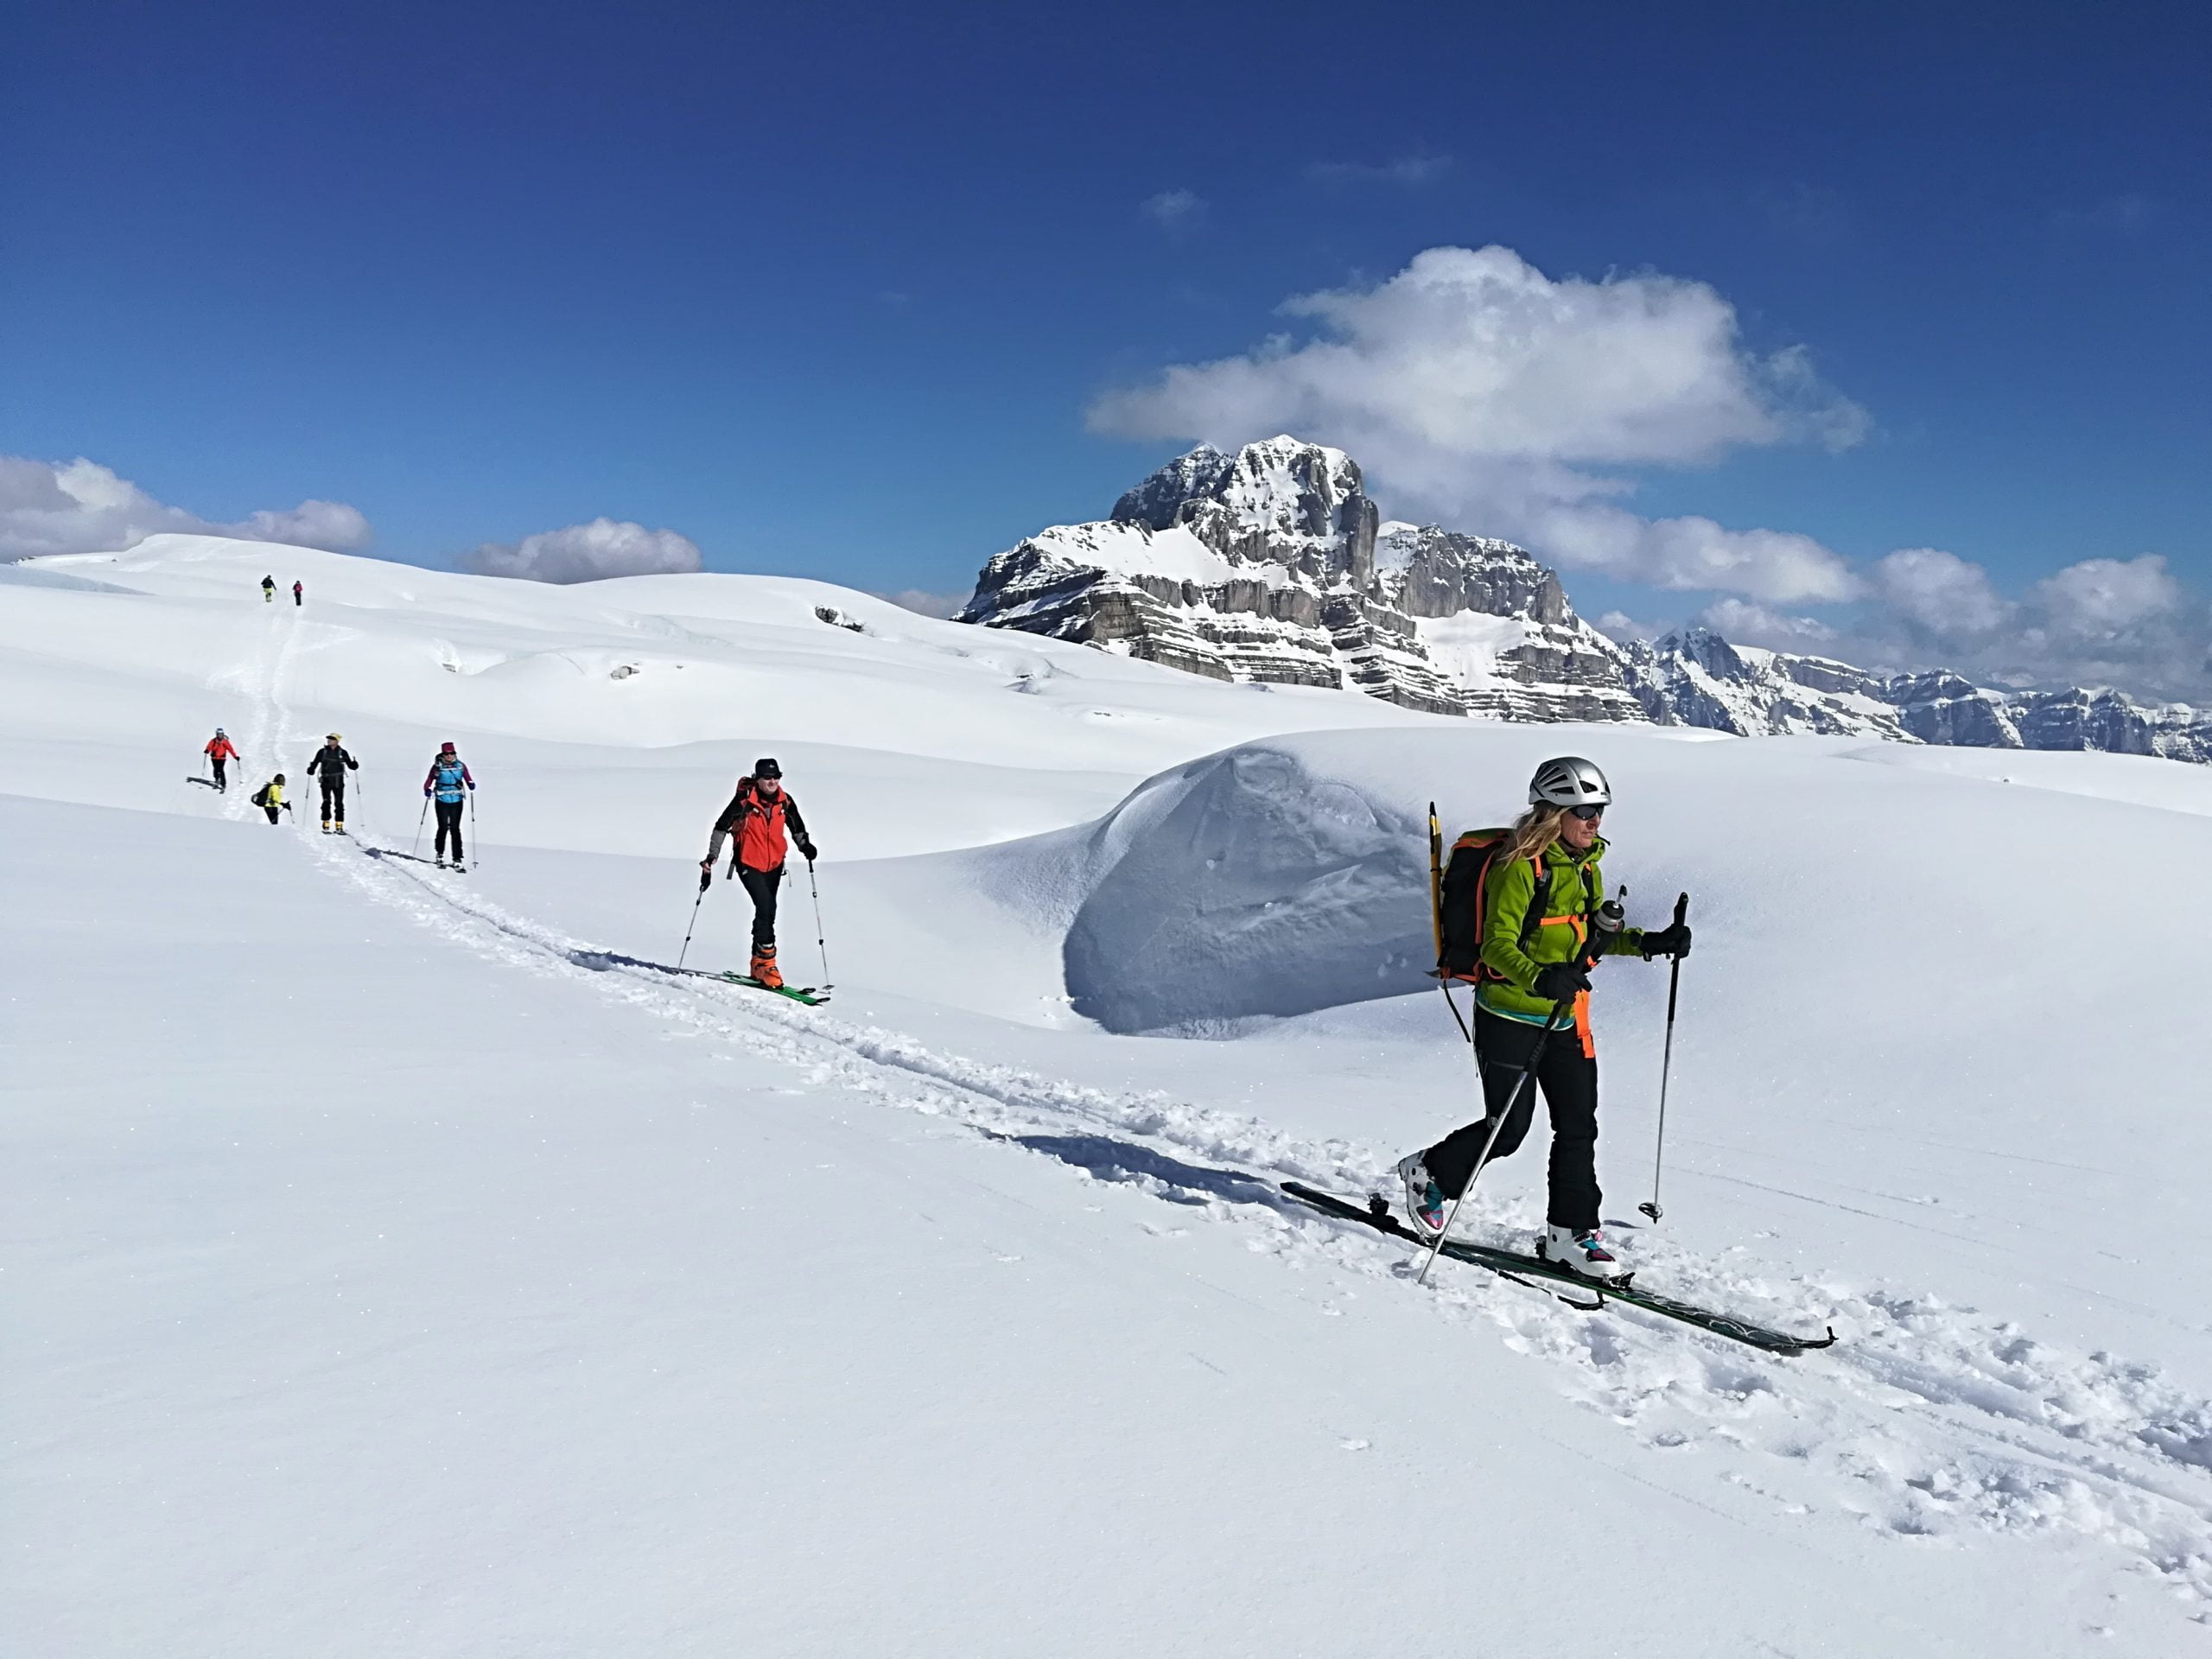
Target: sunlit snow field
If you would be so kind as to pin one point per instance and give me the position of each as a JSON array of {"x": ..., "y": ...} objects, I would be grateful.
[{"x": 404, "y": 1263}]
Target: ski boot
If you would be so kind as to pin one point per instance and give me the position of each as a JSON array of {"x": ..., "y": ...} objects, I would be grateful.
[
  {"x": 765, "y": 969},
  {"x": 1424, "y": 1203},
  {"x": 1578, "y": 1250}
]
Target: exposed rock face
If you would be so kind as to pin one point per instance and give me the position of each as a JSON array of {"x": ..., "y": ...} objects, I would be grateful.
[
  {"x": 1499, "y": 623},
  {"x": 1694, "y": 677},
  {"x": 1267, "y": 565},
  {"x": 1272, "y": 564},
  {"x": 1940, "y": 708}
]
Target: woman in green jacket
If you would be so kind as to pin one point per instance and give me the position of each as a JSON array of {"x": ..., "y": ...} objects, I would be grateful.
[{"x": 1537, "y": 893}]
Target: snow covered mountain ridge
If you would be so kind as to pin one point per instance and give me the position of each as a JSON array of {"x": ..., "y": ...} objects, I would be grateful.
[{"x": 1274, "y": 565}]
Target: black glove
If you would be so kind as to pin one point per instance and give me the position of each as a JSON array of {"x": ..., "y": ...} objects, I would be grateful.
[
  {"x": 1670, "y": 940},
  {"x": 706, "y": 873},
  {"x": 806, "y": 851},
  {"x": 1560, "y": 982}
]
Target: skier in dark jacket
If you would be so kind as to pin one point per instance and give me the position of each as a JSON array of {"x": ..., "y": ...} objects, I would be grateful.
[
  {"x": 330, "y": 766},
  {"x": 219, "y": 750},
  {"x": 448, "y": 785},
  {"x": 268, "y": 590},
  {"x": 1537, "y": 899},
  {"x": 296, "y": 591},
  {"x": 757, "y": 816}
]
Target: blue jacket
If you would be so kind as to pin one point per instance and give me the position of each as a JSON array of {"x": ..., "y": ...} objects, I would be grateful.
[{"x": 447, "y": 779}]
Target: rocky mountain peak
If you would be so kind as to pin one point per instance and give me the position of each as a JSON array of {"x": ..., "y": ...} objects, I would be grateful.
[{"x": 1280, "y": 501}]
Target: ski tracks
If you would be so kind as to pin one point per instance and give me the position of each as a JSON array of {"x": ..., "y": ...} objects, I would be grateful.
[{"x": 1928, "y": 1420}]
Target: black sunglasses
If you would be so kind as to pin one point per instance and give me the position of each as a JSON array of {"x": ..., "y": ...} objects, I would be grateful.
[{"x": 1587, "y": 814}]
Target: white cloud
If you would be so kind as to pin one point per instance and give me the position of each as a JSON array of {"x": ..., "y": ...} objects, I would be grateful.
[
  {"x": 2100, "y": 621},
  {"x": 605, "y": 547},
  {"x": 1620, "y": 625},
  {"x": 1177, "y": 210},
  {"x": 1476, "y": 388},
  {"x": 79, "y": 506},
  {"x": 2108, "y": 598},
  {"x": 1406, "y": 170},
  {"x": 1938, "y": 595},
  {"x": 1744, "y": 624}
]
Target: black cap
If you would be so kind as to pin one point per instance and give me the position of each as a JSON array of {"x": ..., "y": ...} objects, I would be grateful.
[{"x": 766, "y": 766}]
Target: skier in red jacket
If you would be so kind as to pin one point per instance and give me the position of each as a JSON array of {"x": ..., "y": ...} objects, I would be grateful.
[
  {"x": 757, "y": 815},
  {"x": 219, "y": 750}
]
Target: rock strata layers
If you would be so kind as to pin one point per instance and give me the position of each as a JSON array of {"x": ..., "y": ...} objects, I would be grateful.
[{"x": 1273, "y": 564}]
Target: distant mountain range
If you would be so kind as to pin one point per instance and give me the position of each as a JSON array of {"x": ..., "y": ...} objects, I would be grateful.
[{"x": 1273, "y": 564}]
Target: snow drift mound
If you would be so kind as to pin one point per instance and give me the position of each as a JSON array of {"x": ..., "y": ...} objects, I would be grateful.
[{"x": 1242, "y": 884}]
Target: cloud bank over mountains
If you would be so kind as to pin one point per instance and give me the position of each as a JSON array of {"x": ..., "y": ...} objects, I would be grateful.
[
  {"x": 1481, "y": 393},
  {"x": 79, "y": 506}
]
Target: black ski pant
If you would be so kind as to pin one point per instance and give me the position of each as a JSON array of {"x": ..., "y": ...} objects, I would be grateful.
[
  {"x": 222, "y": 783},
  {"x": 1569, "y": 1081},
  {"x": 449, "y": 824},
  {"x": 334, "y": 798},
  {"x": 272, "y": 812},
  {"x": 763, "y": 886}
]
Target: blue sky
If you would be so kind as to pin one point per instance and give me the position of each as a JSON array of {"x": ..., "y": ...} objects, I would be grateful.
[{"x": 830, "y": 290}]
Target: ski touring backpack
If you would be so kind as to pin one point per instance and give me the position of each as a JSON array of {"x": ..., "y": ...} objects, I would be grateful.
[
  {"x": 261, "y": 796},
  {"x": 1462, "y": 893}
]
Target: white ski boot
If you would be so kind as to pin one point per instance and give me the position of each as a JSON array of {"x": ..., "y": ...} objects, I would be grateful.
[
  {"x": 1580, "y": 1252},
  {"x": 1424, "y": 1202}
]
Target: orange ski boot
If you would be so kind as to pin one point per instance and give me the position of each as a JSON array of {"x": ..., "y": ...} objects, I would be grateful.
[{"x": 765, "y": 969}]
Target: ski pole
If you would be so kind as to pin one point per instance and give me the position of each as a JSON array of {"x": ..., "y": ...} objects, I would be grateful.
[
  {"x": 472, "y": 826},
  {"x": 1603, "y": 926},
  {"x": 820, "y": 938},
  {"x": 1666, "y": 1065},
  {"x": 419, "y": 819},
  {"x": 706, "y": 881}
]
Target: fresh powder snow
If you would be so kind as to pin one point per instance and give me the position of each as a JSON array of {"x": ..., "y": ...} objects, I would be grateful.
[{"x": 401, "y": 1262}]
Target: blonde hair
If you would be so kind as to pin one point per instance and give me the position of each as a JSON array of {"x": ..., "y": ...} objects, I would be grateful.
[{"x": 1533, "y": 833}]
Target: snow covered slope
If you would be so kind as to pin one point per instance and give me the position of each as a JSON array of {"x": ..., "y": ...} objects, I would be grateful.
[{"x": 402, "y": 1262}]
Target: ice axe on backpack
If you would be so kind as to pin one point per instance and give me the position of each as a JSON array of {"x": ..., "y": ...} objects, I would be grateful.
[{"x": 1666, "y": 1065}]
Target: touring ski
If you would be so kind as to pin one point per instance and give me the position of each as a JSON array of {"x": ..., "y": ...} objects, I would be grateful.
[
  {"x": 1511, "y": 1264},
  {"x": 813, "y": 995}
]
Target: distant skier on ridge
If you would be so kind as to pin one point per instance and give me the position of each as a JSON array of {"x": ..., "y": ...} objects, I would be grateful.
[
  {"x": 219, "y": 750},
  {"x": 1517, "y": 913},
  {"x": 330, "y": 766},
  {"x": 269, "y": 590},
  {"x": 449, "y": 784},
  {"x": 757, "y": 816}
]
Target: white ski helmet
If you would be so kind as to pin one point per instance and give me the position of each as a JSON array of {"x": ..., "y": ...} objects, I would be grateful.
[{"x": 1569, "y": 781}]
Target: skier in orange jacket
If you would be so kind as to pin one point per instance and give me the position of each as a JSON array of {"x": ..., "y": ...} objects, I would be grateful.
[{"x": 758, "y": 815}]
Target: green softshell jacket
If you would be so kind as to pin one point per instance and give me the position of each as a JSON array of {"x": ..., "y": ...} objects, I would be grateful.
[{"x": 1578, "y": 887}]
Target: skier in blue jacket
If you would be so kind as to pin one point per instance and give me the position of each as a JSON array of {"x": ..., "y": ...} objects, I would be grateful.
[{"x": 448, "y": 785}]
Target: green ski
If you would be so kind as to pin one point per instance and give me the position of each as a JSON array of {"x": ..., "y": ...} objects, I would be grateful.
[{"x": 813, "y": 995}]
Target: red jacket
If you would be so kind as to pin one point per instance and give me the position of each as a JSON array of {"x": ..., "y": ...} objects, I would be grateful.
[
  {"x": 758, "y": 822},
  {"x": 221, "y": 749}
]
